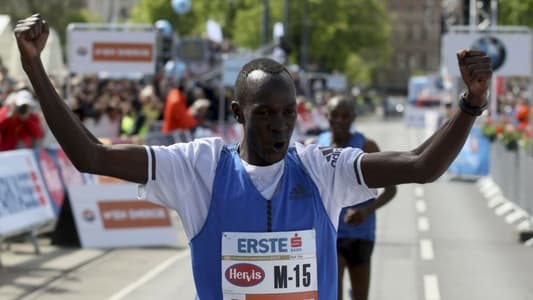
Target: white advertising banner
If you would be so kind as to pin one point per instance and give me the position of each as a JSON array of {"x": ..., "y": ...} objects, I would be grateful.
[
  {"x": 111, "y": 51},
  {"x": 337, "y": 82},
  {"x": 510, "y": 51},
  {"x": 107, "y": 216},
  {"x": 24, "y": 201}
]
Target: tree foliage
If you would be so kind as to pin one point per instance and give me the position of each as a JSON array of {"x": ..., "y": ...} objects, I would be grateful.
[
  {"x": 58, "y": 13},
  {"x": 516, "y": 12},
  {"x": 346, "y": 35}
]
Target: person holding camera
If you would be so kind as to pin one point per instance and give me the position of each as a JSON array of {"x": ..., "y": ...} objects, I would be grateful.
[{"x": 20, "y": 126}]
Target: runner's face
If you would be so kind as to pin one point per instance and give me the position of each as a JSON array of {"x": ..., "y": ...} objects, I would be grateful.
[
  {"x": 269, "y": 119},
  {"x": 340, "y": 119}
]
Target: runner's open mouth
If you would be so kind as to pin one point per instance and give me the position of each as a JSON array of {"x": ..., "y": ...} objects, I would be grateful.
[{"x": 279, "y": 146}]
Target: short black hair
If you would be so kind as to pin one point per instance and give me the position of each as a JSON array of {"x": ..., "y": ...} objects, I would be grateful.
[
  {"x": 341, "y": 100},
  {"x": 264, "y": 64}
]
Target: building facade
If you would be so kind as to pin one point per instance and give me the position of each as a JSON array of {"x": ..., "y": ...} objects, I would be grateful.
[{"x": 415, "y": 42}]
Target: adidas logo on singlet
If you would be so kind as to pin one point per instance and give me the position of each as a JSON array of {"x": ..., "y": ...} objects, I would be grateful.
[
  {"x": 331, "y": 154},
  {"x": 299, "y": 192}
]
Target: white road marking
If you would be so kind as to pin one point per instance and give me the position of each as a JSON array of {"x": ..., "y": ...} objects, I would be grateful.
[
  {"x": 423, "y": 224},
  {"x": 419, "y": 191},
  {"x": 426, "y": 250},
  {"x": 485, "y": 182},
  {"x": 486, "y": 185},
  {"x": 491, "y": 191},
  {"x": 524, "y": 225},
  {"x": 496, "y": 200},
  {"x": 431, "y": 287},
  {"x": 515, "y": 216},
  {"x": 503, "y": 209},
  {"x": 148, "y": 276},
  {"x": 420, "y": 206}
]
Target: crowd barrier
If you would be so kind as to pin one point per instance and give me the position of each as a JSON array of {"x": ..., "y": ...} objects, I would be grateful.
[
  {"x": 473, "y": 159},
  {"x": 108, "y": 215},
  {"x": 26, "y": 203},
  {"x": 35, "y": 185},
  {"x": 512, "y": 171}
]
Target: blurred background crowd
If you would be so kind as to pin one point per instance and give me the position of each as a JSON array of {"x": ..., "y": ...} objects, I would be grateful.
[{"x": 197, "y": 39}]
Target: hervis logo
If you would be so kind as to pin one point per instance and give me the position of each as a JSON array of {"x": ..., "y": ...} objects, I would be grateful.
[{"x": 244, "y": 275}]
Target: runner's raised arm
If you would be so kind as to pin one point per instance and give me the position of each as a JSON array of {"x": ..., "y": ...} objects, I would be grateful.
[
  {"x": 127, "y": 162},
  {"x": 427, "y": 162}
]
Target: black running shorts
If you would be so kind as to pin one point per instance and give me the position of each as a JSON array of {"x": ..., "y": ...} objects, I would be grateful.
[{"x": 355, "y": 251}]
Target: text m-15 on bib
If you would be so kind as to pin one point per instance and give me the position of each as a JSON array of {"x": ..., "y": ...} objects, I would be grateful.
[{"x": 268, "y": 266}]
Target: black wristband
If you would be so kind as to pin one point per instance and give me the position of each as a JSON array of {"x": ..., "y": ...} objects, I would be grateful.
[{"x": 469, "y": 109}]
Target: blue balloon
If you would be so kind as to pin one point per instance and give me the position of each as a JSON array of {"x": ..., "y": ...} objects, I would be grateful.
[
  {"x": 164, "y": 27},
  {"x": 175, "y": 69},
  {"x": 181, "y": 6}
]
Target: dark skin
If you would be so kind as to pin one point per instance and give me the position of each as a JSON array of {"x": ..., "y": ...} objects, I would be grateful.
[
  {"x": 341, "y": 115},
  {"x": 129, "y": 162},
  {"x": 268, "y": 115}
]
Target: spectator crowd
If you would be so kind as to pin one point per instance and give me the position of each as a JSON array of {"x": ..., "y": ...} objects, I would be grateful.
[{"x": 128, "y": 109}]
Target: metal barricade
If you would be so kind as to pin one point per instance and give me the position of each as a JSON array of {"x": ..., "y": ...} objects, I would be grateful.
[
  {"x": 512, "y": 171},
  {"x": 526, "y": 179}
]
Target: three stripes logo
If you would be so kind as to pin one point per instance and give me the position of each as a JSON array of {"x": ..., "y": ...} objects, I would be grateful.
[
  {"x": 331, "y": 154},
  {"x": 299, "y": 192}
]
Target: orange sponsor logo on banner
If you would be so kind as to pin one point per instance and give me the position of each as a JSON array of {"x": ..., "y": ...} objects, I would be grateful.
[
  {"x": 132, "y": 214},
  {"x": 123, "y": 52}
]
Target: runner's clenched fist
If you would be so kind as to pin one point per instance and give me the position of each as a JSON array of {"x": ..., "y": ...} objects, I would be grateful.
[
  {"x": 476, "y": 70},
  {"x": 31, "y": 35}
]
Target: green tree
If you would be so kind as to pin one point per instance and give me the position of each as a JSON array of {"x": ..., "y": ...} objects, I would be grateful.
[
  {"x": 516, "y": 12},
  {"x": 58, "y": 13},
  {"x": 149, "y": 11},
  {"x": 351, "y": 36},
  {"x": 193, "y": 22},
  {"x": 347, "y": 35}
]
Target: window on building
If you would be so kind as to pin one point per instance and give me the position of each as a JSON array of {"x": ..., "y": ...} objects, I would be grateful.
[
  {"x": 399, "y": 32},
  {"x": 412, "y": 62},
  {"x": 400, "y": 61},
  {"x": 423, "y": 61},
  {"x": 423, "y": 33},
  {"x": 409, "y": 32},
  {"x": 416, "y": 34}
]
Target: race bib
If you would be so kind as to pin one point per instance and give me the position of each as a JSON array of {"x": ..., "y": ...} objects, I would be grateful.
[{"x": 269, "y": 265}]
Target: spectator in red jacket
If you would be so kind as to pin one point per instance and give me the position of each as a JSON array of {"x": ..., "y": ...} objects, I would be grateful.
[
  {"x": 20, "y": 126},
  {"x": 176, "y": 114}
]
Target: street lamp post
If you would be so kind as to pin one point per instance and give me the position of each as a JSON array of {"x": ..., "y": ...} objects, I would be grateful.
[
  {"x": 493, "y": 12},
  {"x": 265, "y": 32},
  {"x": 305, "y": 35},
  {"x": 286, "y": 16},
  {"x": 473, "y": 13}
]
